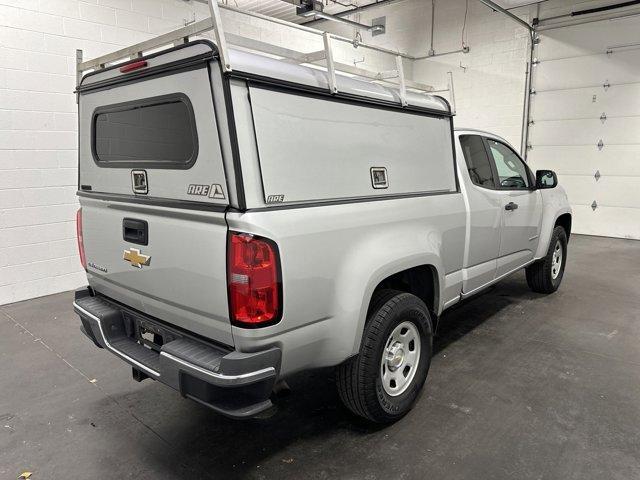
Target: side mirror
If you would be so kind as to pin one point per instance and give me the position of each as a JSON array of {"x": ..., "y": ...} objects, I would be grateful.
[{"x": 546, "y": 179}]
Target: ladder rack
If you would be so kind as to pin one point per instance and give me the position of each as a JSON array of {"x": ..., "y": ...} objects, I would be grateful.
[{"x": 323, "y": 58}]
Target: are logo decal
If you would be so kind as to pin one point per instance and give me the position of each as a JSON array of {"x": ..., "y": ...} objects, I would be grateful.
[
  {"x": 275, "y": 199},
  {"x": 214, "y": 190},
  {"x": 195, "y": 189}
]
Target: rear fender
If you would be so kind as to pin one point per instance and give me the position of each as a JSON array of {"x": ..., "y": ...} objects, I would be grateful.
[{"x": 375, "y": 260}]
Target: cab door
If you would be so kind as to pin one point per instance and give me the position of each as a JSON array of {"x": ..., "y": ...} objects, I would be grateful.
[
  {"x": 521, "y": 207},
  {"x": 484, "y": 213}
]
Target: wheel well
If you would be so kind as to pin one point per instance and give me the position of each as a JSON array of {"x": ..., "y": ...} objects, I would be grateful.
[
  {"x": 565, "y": 222},
  {"x": 421, "y": 281}
]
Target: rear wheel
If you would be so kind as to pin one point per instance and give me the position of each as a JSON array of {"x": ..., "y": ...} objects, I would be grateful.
[
  {"x": 546, "y": 274},
  {"x": 383, "y": 381}
]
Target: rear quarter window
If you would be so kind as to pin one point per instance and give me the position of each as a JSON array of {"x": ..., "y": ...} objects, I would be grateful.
[
  {"x": 477, "y": 159},
  {"x": 157, "y": 132}
]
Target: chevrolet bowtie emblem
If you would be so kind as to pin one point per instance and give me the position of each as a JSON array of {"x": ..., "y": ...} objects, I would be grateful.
[{"x": 136, "y": 258}]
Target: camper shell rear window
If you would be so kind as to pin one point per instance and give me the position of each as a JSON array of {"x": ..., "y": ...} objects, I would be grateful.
[{"x": 156, "y": 132}]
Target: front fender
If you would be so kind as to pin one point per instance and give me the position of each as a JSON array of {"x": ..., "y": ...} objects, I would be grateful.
[{"x": 555, "y": 203}]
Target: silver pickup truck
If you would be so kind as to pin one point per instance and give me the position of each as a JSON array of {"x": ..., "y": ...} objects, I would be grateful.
[{"x": 238, "y": 227}]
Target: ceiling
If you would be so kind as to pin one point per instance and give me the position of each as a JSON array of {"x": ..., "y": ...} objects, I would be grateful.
[
  {"x": 516, "y": 3},
  {"x": 285, "y": 10}
]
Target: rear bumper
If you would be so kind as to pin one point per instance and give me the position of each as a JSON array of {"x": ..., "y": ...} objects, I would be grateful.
[{"x": 233, "y": 383}]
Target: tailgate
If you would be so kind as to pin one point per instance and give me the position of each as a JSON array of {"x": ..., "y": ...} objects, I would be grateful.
[{"x": 153, "y": 191}]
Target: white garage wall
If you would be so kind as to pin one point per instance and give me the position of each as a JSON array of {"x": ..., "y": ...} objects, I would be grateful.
[{"x": 489, "y": 80}]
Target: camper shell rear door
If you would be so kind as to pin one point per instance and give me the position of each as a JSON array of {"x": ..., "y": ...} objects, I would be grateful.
[{"x": 153, "y": 188}]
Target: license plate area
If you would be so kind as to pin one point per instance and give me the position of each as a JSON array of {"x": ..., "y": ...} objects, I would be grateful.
[
  {"x": 147, "y": 333},
  {"x": 152, "y": 333}
]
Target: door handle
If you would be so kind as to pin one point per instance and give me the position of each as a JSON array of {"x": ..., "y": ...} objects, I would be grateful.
[
  {"x": 511, "y": 206},
  {"x": 135, "y": 231}
]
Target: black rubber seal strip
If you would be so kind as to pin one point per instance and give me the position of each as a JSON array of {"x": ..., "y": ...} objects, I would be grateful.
[{"x": 233, "y": 134}]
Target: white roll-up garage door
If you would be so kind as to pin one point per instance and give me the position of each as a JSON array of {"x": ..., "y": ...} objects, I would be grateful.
[{"x": 586, "y": 121}]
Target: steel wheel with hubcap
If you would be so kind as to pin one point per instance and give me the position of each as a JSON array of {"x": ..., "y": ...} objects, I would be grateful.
[
  {"x": 556, "y": 260},
  {"x": 384, "y": 380},
  {"x": 545, "y": 275},
  {"x": 400, "y": 360}
]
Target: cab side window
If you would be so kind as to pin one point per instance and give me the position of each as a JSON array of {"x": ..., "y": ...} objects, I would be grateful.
[
  {"x": 512, "y": 172},
  {"x": 478, "y": 164}
]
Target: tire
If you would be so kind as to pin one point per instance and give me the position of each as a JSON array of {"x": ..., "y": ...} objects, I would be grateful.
[
  {"x": 545, "y": 276},
  {"x": 366, "y": 386}
]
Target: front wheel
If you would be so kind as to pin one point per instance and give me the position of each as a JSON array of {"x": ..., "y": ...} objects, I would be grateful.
[
  {"x": 384, "y": 380},
  {"x": 545, "y": 275}
]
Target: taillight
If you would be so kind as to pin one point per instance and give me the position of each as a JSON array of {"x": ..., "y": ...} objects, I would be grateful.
[
  {"x": 255, "y": 288},
  {"x": 83, "y": 259}
]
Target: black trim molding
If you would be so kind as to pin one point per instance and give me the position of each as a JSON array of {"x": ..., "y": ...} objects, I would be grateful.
[
  {"x": 154, "y": 201},
  {"x": 346, "y": 201}
]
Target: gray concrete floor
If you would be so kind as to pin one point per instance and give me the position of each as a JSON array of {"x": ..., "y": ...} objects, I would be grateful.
[{"x": 522, "y": 386}]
